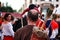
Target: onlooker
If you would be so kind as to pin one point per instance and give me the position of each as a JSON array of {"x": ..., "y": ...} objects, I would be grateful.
[
  {"x": 54, "y": 27},
  {"x": 51, "y": 7},
  {"x": 17, "y": 25},
  {"x": 7, "y": 28},
  {"x": 25, "y": 33},
  {"x": 24, "y": 20},
  {"x": 48, "y": 21},
  {"x": 58, "y": 21}
]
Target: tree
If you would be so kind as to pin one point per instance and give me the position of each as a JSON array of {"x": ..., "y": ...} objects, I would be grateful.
[
  {"x": 6, "y": 9},
  {"x": 9, "y": 9},
  {"x": 14, "y": 10},
  {"x": 3, "y": 9}
]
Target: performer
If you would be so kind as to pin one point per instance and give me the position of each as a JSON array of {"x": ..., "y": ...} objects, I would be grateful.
[{"x": 7, "y": 28}]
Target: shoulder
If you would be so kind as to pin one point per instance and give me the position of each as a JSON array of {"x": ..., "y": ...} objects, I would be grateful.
[
  {"x": 27, "y": 27},
  {"x": 54, "y": 23}
]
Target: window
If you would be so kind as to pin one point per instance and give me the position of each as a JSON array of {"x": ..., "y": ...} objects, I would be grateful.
[
  {"x": 57, "y": 0},
  {"x": 57, "y": 5},
  {"x": 42, "y": 0}
]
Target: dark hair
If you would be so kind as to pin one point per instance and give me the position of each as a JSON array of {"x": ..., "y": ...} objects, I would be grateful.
[
  {"x": 33, "y": 16},
  {"x": 49, "y": 12},
  {"x": 54, "y": 16},
  {"x": 31, "y": 6},
  {"x": 52, "y": 6},
  {"x": 12, "y": 18},
  {"x": 6, "y": 15}
]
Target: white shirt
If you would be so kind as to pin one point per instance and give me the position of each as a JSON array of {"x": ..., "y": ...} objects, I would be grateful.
[
  {"x": 54, "y": 33},
  {"x": 7, "y": 29}
]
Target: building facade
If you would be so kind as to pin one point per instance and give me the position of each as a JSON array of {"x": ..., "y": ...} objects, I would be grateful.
[{"x": 54, "y": 2}]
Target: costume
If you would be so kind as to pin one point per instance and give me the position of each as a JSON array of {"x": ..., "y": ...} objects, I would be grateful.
[{"x": 7, "y": 30}]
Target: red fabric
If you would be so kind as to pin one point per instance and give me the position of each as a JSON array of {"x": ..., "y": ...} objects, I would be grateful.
[
  {"x": 8, "y": 38},
  {"x": 37, "y": 10},
  {"x": 0, "y": 22},
  {"x": 39, "y": 23},
  {"x": 54, "y": 24},
  {"x": 26, "y": 10}
]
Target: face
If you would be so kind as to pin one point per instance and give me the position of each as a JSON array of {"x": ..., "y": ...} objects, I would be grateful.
[{"x": 9, "y": 18}]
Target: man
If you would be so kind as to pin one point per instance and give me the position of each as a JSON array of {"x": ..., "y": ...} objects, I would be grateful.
[
  {"x": 31, "y": 6},
  {"x": 26, "y": 32}
]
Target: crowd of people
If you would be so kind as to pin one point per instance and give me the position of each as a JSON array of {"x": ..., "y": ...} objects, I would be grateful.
[{"x": 32, "y": 26}]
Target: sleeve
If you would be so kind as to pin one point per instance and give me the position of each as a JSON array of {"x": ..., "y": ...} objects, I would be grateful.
[
  {"x": 11, "y": 29},
  {"x": 18, "y": 34},
  {"x": 25, "y": 11},
  {"x": 54, "y": 33}
]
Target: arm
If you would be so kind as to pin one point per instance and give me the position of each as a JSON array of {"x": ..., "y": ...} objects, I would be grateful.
[
  {"x": 25, "y": 11},
  {"x": 54, "y": 33},
  {"x": 18, "y": 34},
  {"x": 11, "y": 29}
]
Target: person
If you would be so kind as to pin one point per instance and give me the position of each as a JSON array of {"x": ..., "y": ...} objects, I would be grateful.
[
  {"x": 54, "y": 27},
  {"x": 31, "y": 6},
  {"x": 17, "y": 25},
  {"x": 48, "y": 21},
  {"x": 24, "y": 20},
  {"x": 0, "y": 27},
  {"x": 57, "y": 12},
  {"x": 51, "y": 7},
  {"x": 7, "y": 28},
  {"x": 25, "y": 33}
]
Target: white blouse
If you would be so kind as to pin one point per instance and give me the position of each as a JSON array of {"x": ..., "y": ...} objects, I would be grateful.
[{"x": 7, "y": 29}]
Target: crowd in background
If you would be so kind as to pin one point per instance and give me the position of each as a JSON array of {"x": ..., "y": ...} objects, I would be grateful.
[{"x": 32, "y": 26}]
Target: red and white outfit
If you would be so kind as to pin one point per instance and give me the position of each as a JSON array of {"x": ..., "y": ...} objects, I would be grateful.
[
  {"x": 39, "y": 23},
  {"x": 54, "y": 27},
  {"x": 7, "y": 30}
]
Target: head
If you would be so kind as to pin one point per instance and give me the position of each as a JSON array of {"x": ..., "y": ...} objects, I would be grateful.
[
  {"x": 49, "y": 13},
  {"x": 51, "y": 7},
  {"x": 32, "y": 15},
  {"x": 7, "y": 17},
  {"x": 54, "y": 16},
  {"x": 31, "y": 6}
]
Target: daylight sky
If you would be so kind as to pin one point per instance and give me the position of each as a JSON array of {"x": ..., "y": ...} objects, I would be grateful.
[{"x": 15, "y": 4}]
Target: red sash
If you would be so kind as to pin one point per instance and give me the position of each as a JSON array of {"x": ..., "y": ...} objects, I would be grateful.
[{"x": 8, "y": 38}]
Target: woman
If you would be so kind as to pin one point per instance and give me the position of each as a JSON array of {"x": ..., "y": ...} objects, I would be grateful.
[{"x": 7, "y": 29}]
